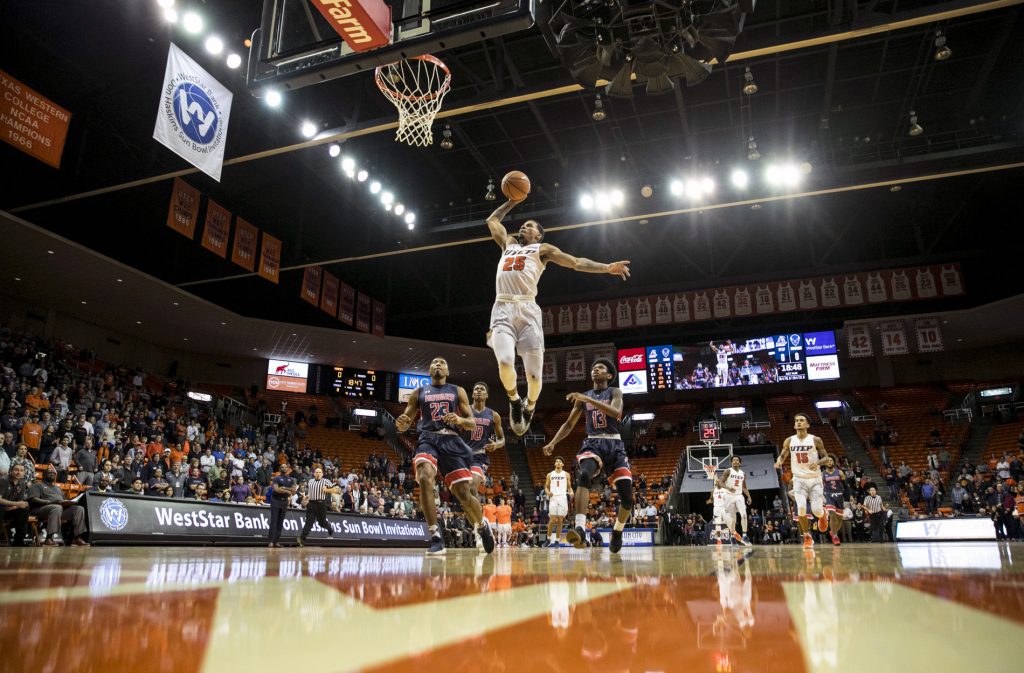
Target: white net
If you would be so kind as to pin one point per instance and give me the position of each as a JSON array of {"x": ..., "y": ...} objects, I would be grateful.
[{"x": 417, "y": 87}]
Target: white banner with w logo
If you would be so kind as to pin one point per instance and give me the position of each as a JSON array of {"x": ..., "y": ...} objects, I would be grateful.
[{"x": 192, "y": 120}]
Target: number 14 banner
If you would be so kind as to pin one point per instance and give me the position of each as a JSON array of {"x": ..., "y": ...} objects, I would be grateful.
[{"x": 894, "y": 338}]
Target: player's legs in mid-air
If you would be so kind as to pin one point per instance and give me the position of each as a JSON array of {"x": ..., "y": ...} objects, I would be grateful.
[{"x": 516, "y": 327}]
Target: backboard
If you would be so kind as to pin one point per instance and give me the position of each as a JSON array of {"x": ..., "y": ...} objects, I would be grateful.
[{"x": 295, "y": 46}]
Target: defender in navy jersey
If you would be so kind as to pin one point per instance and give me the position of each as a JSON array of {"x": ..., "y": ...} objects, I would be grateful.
[
  {"x": 835, "y": 491},
  {"x": 602, "y": 451},
  {"x": 442, "y": 407},
  {"x": 516, "y": 318},
  {"x": 486, "y": 436}
]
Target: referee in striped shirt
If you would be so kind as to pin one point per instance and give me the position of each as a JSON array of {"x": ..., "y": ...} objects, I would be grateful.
[{"x": 317, "y": 490}]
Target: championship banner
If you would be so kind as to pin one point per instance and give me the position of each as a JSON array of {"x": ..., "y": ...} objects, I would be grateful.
[
  {"x": 858, "y": 341},
  {"x": 218, "y": 226},
  {"x": 243, "y": 253},
  {"x": 192, "y": 118},
  {"x": 311, "y": 277},
  {"x": 894, "y": 338},
  {"x": 890, "y": 286},
  {"x": 364, "y": 308},
  {"x": 184, "y": 209},
  {"x": 346, "y": 304},
  {"x": 32, "y": 123},
  {"x": 270, "y": 258},
  {"x": 378, "y": 318},
  {"x": 329, "y": 296},
  {"x": 550, "y": 371},
  {"x": 575, "y": 366},
  {"x": 929, "y": 335},
  {"x": 130, "y": 518}
]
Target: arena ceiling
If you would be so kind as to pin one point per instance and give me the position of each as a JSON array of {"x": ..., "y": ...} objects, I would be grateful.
[{"x": 834, "y": 90}]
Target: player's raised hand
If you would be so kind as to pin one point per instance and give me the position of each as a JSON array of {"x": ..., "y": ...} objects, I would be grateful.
[
  {"x": 403, "y": 422},
  {"x": 548, "y": 449},
  {"x": 620, "y": 269},
  {"x": 490, "y": 447},
  {"x": 575, "y": 397}
]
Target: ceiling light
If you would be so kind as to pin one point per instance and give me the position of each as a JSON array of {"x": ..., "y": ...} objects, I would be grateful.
[
  {"x": 915, "y": 128},
  {"x": 374, "y": 187},
  {"x": 165, "y": 3},
  {"x": 410, "y": 218},
  {"x": 273, "y": 98},
  {"x": 83, "y": 303},
  {"x": 598, "y": 114},
  {"x": 192, "y": 22},
  {"x": 895, "y": 188},
  {"x": 647, "y": 191},
  {"x": 214, "y": 45},
  {"x": 334, "y": 149},
  {"x": 387, "y": 207},
  {"x": 446, "y": 140},
  {"x": 175, "y": 303},
  {"x": 171, "y": 15},
  {"x": 676, "y": 187},
  {"x": 490, "y": 195},
  {"x": 139, "y": 322},
  {"x": 806, "y": 167},
  {"x": 399, "y": 209},
  {"x": 752, "y": 152},
  {"x": 694, "y": 189},
  {"x": 782, "y": 175},
  {"x": 16, "y": 278},
  {"x": 50, "y": 252},
  {"x": 411, "y": 226},
  {"x": 348, "y": 164},
  {"x": 308, "y": 129},
  {"x": 120, "y": 280},
  {"x": 387, "y": 198},
  {"x": 234, "y": 60},
  {"x": 749, "y": 87},
  {"x": 586, "y": 201},
  {"x": 707, "y": 185},
  {"x": 362, "y": 175},
  {"x": 223, "y": 323},
  {"x": 617, "y": 197},
  {"x": 740, "y": 179},
  {"x": 601, "y": 202},
  {"x": 942, "y": 52}
]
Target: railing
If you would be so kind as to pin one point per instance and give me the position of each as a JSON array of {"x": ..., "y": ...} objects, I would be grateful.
[
  {"x": 955, "y": 416},
  {"x": 755, "y": 424},
  {"x": 237, "y": 413},
  {"x": 867, "y": 417},
  {"x": 271, "y": 419}
]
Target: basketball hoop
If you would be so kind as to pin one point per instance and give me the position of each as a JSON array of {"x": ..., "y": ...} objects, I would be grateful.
[
  {"x": 417, "y": 87},
  {"x": 709, "y": 470}
]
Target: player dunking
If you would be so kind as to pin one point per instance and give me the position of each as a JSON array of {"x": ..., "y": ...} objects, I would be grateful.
[
  {"x": 441, "y": 406},
  {"x": 516, "y": 318},
  {"x": 808, "y": 452},
  {"x": 487, "y": 436},
  {"x": 559, "y": 489},
  {"x": 602, "y": 451},
  {"x": 735, "y": 481},
  {"x": 722, "y": 355},
  {"x": 836, "y": 492}
]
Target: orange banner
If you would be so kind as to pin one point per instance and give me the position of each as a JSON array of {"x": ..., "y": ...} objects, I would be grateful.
[
  {"x": 378, "y": 318},
  {"x": 32, "y": 123},
  {"x": 329, "y": 295},
  {"x": 218, "y": 226},
  {"x": 346, "y": 304},
  {"x": 184, "y": 210},
  {"x": 244, "y": 251},
  {"x": 270, "y": 258},
  {"x": 311, "y": 284}
]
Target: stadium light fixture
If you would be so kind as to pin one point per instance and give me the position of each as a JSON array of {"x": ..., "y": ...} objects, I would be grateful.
[
  {"x": 740, "y": 179},
  {"x": 165, "y": 3},
  {"x": 410, "y": 218},
  {"x": 334, "y": 149},
  {"x": 171, "y": 15},
  {"x": 192, "y": 22},
  {"x": 234, "y": 60},
  {"x": 676, "y": 187},
  {"x": 273, "y": 98},
  {"x": 348, "y": 164},
  {"x": 617, "y": 197},
  {"x": 586, "y": 202},
  {"x": 375, "y": 187},
  {"x": 362, "y": 175},
  {"x": 214, "y": 45},
  {"x": 399, "y": 209},
  {"x": 308, "y": 129}
]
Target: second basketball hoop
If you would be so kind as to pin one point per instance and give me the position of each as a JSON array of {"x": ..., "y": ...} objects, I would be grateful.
[{"x": 417, "y": 87}]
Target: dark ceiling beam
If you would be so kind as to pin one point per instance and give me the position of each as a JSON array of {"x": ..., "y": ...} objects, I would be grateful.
[
  {"x": 517, "y": 79},
  {"x": 684, "y": 121},
  {"x": 981, "y": 79},
  {"x": 951, "y": 221}
]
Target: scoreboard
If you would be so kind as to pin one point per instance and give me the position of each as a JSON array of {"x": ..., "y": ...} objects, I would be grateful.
[
  {"x": 659, "y": 367},
  {"x": 357, "y": 383}
]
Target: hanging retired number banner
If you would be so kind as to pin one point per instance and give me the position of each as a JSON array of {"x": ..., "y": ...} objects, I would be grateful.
[
  {"x": 575, "y": 366},
  {"x": 894, "y": 338},
  {"x": 378, "y": 318},
  {"x": 184, "y": 210},
  {"x": 550, "y": 372},
  {"x": 329, "y": 295},
  {"x": 929, "y": 335},
  {"x": 311, "y": 277},
  {"x": 364, "y": 307},
  {"x": 218, "y": 226},
  {"x": 270, "y": 258},
  {"x": 346, "y": 304},
  {"x": 244, "y": 251},
  {"x": 858, "y": 341}
]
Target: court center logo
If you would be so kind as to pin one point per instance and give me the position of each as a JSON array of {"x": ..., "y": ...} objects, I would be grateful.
[{"x": 114, "y": 514}]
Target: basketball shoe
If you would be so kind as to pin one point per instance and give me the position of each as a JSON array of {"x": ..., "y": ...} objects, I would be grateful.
[
  {"x": 486, "y": 538},
  {"x": 515, "y": 415},
  {"x": 577, "y": 537},
  {"x": 823, "y": 522},
  {"x": 436, "y": 546},
  {"x": 616, "y": 542},
  {"x": 835, "y": 540},
  {"x": 808, "y": 541}
]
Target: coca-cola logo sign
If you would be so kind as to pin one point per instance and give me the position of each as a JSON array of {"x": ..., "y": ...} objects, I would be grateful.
[{"x": 631, "y": 359}]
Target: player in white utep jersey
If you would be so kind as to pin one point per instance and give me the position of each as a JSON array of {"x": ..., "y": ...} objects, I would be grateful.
[
  {"x": 722, "y": 352},
  {"x": 735, "y": 481},
  {"x": 516, "y": 318},
  {"x": 719, "y": 498},
  {"x": 558, "y": 486},
  {"x": 808, "y": 453}
]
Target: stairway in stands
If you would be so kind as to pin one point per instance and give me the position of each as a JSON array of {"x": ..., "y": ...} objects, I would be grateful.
[
  {"x": 521, "y": 466},
  {"x": 855, "y": 450}
]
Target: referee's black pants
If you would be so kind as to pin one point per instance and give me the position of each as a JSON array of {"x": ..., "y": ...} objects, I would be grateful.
[
  {"x": 877, "y": 522},
  {"x": 316, "y": 511},
  {"x": 278, "y": 510}
]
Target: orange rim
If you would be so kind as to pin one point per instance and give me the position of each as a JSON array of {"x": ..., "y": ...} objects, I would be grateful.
[{"x": 385, "y": 86}]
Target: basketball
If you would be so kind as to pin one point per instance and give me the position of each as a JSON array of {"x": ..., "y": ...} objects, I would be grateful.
[{"x": 515, "y": 185}]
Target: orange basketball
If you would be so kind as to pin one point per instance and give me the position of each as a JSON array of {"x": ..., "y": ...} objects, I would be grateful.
[{"x": 515, "y": 185}]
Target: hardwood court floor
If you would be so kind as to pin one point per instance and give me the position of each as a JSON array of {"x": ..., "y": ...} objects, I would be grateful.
[{"x": 859, "y": 608}]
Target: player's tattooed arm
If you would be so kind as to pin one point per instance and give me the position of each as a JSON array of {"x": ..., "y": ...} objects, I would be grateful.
[
  {"x": 404, "y": 420},
  {"x": 498, "y": 231},
  {"x": 550, "y": 253}
]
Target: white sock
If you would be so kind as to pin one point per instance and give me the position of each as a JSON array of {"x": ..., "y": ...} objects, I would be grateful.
[
  {"x": 619, "y": 525},
  {"x": 581, "y": 520},
  {"x": 433, "y": 530}
]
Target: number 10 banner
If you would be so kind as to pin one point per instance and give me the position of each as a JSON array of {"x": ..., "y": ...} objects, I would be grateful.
[
  {"x": 894, "y": 338},
  {"x": 929, "y": 335}
]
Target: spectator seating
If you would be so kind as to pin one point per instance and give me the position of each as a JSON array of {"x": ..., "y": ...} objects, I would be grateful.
[{"x": 782, "y": 408}]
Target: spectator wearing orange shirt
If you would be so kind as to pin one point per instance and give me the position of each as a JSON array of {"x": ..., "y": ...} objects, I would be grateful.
[
  {"x": 491, "y": 515},
  {"x": 32, "y": 433},
  {"x": 504, "y": 514},
  {"x": 155, "y": 448},
  {"x": 177, "y": 454},
  {"x": 33, "y": 402},
  {"x": 519, "y": 533}
]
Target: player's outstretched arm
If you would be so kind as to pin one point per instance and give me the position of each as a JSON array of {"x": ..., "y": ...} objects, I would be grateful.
[
  {"x": 612, "y": 408},
  {"x": 563, "y": 432},
  {"x": 550, "y": 253},
  {"x": 412, "y": 407},
  {"x": 498, "y": 231},
  {"x": 782, "y": 455}
]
